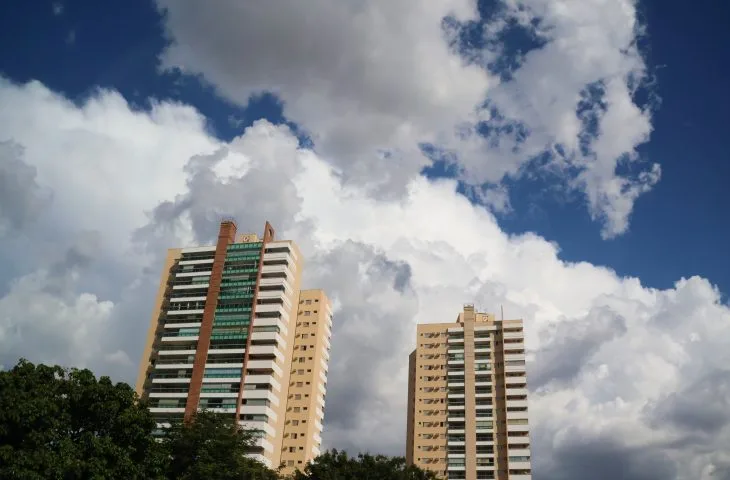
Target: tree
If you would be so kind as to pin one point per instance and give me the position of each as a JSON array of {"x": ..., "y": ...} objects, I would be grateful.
[
  {"x": 65, "y": 424},
  {"x": 213, "y": 447},
  {"x": 336, "y": 465}
]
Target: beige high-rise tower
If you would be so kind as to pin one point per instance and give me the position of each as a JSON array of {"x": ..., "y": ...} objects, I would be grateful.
[
  {"x": 232, "y": 332},
  {"x": 467, "y": 399}
]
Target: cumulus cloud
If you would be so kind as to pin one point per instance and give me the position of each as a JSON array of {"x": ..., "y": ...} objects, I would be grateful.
[
  {"x": 374, "y": 83},
  {"x": 611, "y": 361},
  {"x": 21, "y": 198}
]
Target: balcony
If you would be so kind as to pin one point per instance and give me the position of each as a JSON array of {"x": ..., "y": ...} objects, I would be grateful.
[
  {"x": 268, "y": 337},
  {"x": 257, "y": 410},
  {"x": 276, "y": 271},
  {"x": 261, "y": 395},
  {"x": 515, "y": 380},
  {"x": 266, "y": 365},
  {"x": 259, "y": 426},
  {"x": 193, "y": 274},
  {"x": 516, "y": 391},
  {"x": 513, "y": 335},
  {"x": 266, "y": 311},
  {"x": 262, "y": 380},
  {"x": 514, "y": 357},
  {"x": 517, "y": 415},
  {"x": 265, "y": 350}
]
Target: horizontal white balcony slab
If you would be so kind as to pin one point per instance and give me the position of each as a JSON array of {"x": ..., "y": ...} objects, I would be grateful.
[
  {"x": 459, "y": 418},
  {"x": 187, "y": 299},
  {"x": 485, "y": 328},
  {"x": 167, "y": 409},
  {"x": 484, "y": 442},
  {"x": 455, "y": 384},
  {"x": 173, "y": 366},
  {"x": 221, "y": 379},
  {"x": 483, "y": 406},
  {"x": 519, "y": 477},
  {"x": 219, "y": 395},
  {"x": 269, "y": 337},
  {"x": 176, "y": 352},
  {"x": 265, "y": 350},
  {"x": 482, "y": 341},
  {"x": 455, "y": 329},
  {"x": 261, "y": 395},
  {"x": 513, "y": 335},
  {"x": 483, "y": 383},
  {"x": 261, "y": 458},
  {"x": 515, "y": 380},
  {"x": 482, "y": 349},
  {"x": 518, "y": 428},
  {"x": 260, "y": 426},
  {"x": 484, "y": 455},
  {"x": 320, "y": 414},
  {"x": 482, "y": 395},
  {"x": 257, "y": 410},
  {"x": 456, "y": 443},
  {"x": 456, "y": 407},
  {"x": 323, "y": 364},
  {"x": 193, "y": 274},
  {"x": 516, "y": 403},
  {"x": 456, "y": 468},
  {"x": 455, "y": 395},
  {"x": 185, "y": 312},
  {"x": 276, "y": 282},
  {"x": 457, "y": 341},
  {"x": 264, "y": 365},
  {"x": 203, "y": 249},
  {"x": 273, "y": 308},
  {"x": 456, "y": 455},
  {"x": 318, "y": 426},
  {"x": 281, "y": 244},
  {"x": 225, "y": 351},
  {"x": 514, "y": 368},
  {"x": 486, "y": 468},
  {"x": 519, "y": 452},
  {"x": 455, "y": 373},
  {"x": 168, "y": 394},
  {"x": 456, "y": 362},
  {"x": 271, "y": 322},
  {"x": 170, "y": 380},
  {"x": 322, "y": 388},
  {"x": 317, "y": 439},
  {"x": 278, "y": 270},
  {"x": 179, "y": 339},
  {"x": 514, "y": 356},
  {"x": 456, "y": 350},
  {"x": 320, "y": 401},
  {"x": 455, "y": 431},
  {"x": 196, "y": 262},
  {"x": 323, "y": 376},
  {"x": 482, "y": 360},
  {"x": 262, "y": 380},
  {"x": 517, "y": 415},
  {"x": 213, "y": 364},
  {"x": 516, "y": 391},
  {"x": 278, "y": 257},
  {"x": 189, "y": 287},
  {"x": 183, "y": 325}
]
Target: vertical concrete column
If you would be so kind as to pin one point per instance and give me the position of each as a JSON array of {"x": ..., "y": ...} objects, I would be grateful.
[
  {"x": 469, "y": 394},
  {"x": 500, "y": 405},
  {"x": 226, "y": 236}
]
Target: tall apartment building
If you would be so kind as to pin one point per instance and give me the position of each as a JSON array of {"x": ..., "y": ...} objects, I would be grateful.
[
  {"x": 233, "y": 333},
  {"x": 467, "y": 399}
]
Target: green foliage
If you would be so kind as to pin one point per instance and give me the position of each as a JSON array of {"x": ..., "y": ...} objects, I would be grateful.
[
  {"x": 66, "y": 424},
  {"x": 335, "y": 465},
  {"x": 212, "y": 447}
]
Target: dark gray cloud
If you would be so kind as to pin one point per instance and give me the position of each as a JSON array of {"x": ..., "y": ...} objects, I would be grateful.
[
  {"x": 21, "y": 198},
  {"x": 701, "y": 409},
  {"x": 599, "y": 458},
  {"x": 372, "y": 329},
  {"x": 570, "y": 344}
]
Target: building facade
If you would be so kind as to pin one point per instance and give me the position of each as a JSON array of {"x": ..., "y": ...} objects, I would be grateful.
[
  {"x": 467, "y": 399},
  {"x": 232, "y": 332}
]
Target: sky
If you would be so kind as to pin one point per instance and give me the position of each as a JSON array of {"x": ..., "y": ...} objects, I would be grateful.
[{"x": 563, "y": 159}]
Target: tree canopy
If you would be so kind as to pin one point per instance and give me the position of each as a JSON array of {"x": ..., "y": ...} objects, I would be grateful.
[
  {"x": 338, "y": 465},
  {"x": 65, "y": 424},
  {"x": 57, "y": 423}
]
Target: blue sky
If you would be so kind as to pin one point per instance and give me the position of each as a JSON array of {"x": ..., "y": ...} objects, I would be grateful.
[
  {"x": 679, "y": 229},
  {"x": 423, "y": 155}
]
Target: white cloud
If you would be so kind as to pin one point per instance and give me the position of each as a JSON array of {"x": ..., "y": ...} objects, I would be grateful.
[
  {"x": 622, "y": 358},
  {"x": 365, "y": 78}
]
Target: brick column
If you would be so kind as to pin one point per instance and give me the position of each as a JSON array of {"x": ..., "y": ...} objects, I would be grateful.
[{"x": 226, "y": 236}]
